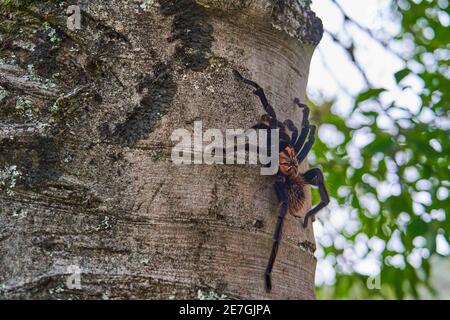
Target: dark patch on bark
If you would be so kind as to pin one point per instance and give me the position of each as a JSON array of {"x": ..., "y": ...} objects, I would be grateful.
[
  {"x": 215, "y": 208},
  {"x": 190, "y": 26},
  {"x": 37, "y": 158},
  {"x": 308, "y": 247},
  {"x": 258, "y": 223},
  {"x": 44, "y": 56},
  {"x": 160, "y": 89}
]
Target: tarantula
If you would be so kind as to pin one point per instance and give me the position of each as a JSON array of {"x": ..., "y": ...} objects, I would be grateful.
[{"x": 290, "y": 184}]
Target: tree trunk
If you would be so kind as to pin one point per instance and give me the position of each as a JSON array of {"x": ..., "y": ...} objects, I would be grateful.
[{"x": 87, "y": 185}]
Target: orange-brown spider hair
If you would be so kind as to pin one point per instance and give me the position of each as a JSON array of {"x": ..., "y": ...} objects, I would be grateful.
[{"x": 288, "y": 162}]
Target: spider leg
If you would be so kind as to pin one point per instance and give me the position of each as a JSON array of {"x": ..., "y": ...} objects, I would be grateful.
[
  {"x": 284, "y": 201},
  {"x": 248, "y": 146},
  {"x": 315, "y": 177},
  {"x": 294, "y": 131},
  {"x": 308, "y": 145},
  {"x": 302, "y": 138},
  {"x": 259, "y": 92},
  {"x": 299, "y": 104},
  {"x": 284, "y": 137},
  {"x": 305, "y": 126},
  {"x": 266, "y": 122}
]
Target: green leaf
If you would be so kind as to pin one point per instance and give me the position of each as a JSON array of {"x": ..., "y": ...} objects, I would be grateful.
[
  {"x": 369, "y": 94},
  {"x": 402, "y": 74}
]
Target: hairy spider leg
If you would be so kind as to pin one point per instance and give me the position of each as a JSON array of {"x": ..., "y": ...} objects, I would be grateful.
[
  {"x": 305, "y": 108},
  {"x": 299, "y": 104},
  {"x": 282, "y": 196},
  {"x": 284, "y": 138},
  {"x": 305, "y": 128},
  {"x": 268, "y": 121},
  {"x": 308, "y": 145},
  {"x": 260, "y": 93},
  {"x": 294, "y": 131},
  {"x": 315, "y": 177},
  {"x": 248, "y": 145}
]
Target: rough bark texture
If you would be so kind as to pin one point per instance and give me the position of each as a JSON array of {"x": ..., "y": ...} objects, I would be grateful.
[{"x": 85, "y": 124}]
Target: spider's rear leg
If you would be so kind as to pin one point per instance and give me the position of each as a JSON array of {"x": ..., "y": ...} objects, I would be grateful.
[
  {"x": 284, "y": 202},
  {"x": 315, "y": 177},
  {"x": 259, "y": 92}
]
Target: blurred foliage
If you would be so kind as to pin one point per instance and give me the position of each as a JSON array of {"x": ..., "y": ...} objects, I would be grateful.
[{"x": 404, "y": 168}]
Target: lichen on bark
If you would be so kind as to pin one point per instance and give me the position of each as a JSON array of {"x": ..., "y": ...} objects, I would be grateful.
[{"x": 294, "y": 17}]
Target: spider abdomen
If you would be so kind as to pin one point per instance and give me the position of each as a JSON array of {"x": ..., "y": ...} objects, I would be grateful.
[{"x": 296, "y": 187}]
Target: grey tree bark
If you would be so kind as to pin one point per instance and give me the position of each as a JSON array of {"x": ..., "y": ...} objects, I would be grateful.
[{"x": 86, "y": 178}]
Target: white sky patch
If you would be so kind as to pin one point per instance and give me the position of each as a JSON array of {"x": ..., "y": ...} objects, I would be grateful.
[
  {"x": 442, "y": 193},
  {"x": 376, "y": 244},
  {"x": 333, "y": 74},
  {"x": 330, "y": 135},
  {"x": 419, "y": 242},
  {"x": 438, "y": 214},
  {"x": 422, "y": 197},
  {"x": 442, "y": 246},
  {"x": 395, "y": 243},
  {"x": 369, "y": 266},
  {"x": 397, "y": 260},
  {"x": 339, "y": 218}
]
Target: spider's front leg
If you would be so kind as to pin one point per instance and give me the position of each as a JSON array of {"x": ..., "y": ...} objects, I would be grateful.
[
  {"x": 282, "y": 196},
  {"x": 260, "y": 93},
  {"x": 269, "y": 121},
  {"x": 294, "y": 131},
  {"x": 305, "y": 126},
  {"x": 308, "y": 145},
  {"x": 315, "y": 177}
]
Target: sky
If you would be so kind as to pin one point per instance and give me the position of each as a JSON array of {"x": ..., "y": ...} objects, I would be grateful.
[{"x": 334, "y": 76}]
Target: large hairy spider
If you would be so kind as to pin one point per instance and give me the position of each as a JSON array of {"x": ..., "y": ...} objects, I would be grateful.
[{"x": 290, "y": 184}]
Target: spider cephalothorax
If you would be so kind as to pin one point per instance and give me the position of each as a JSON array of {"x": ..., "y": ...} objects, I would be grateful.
[
  {"x": 288, "y": 162},
  {"x": 290, "y": 184}
]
